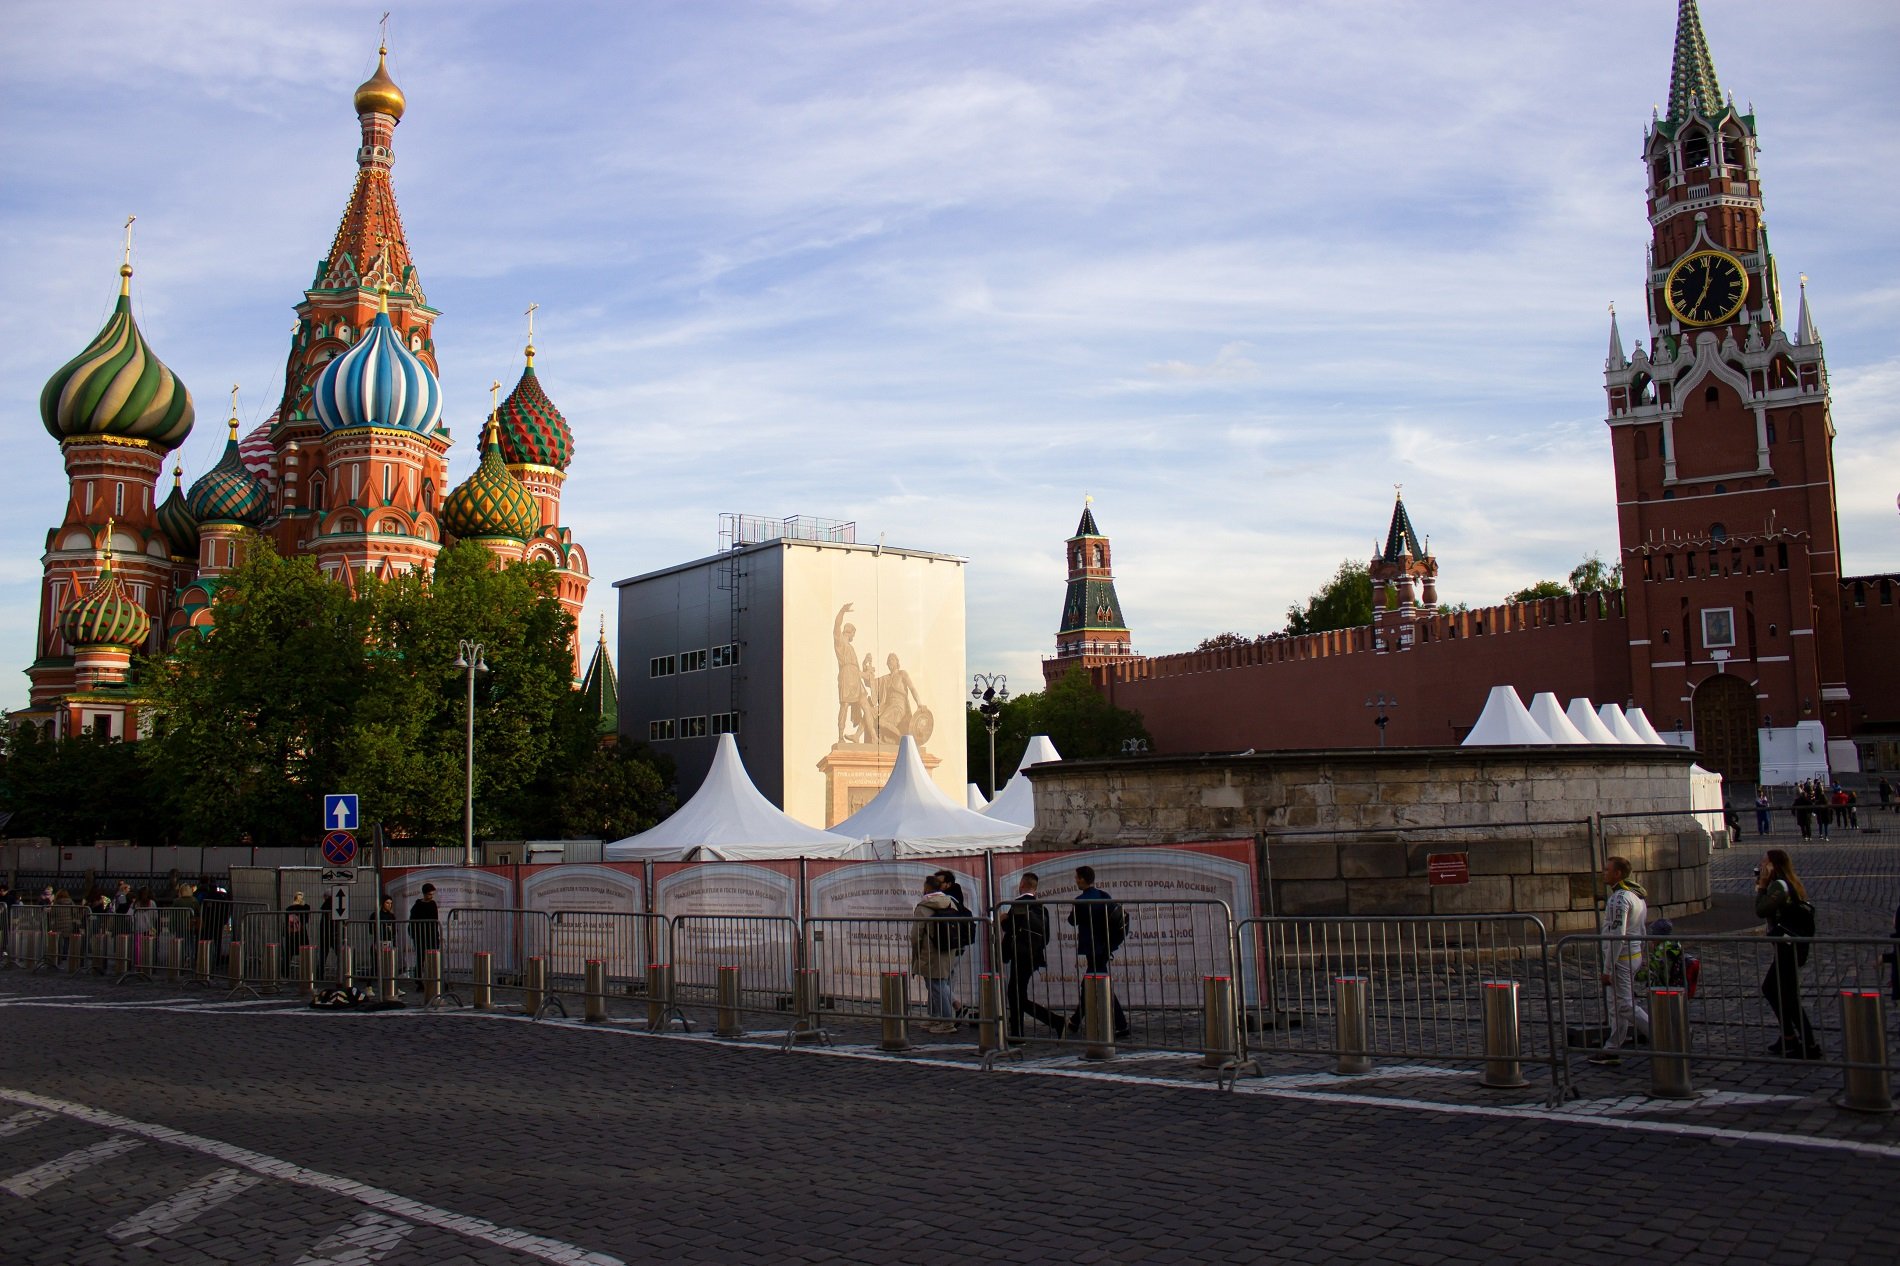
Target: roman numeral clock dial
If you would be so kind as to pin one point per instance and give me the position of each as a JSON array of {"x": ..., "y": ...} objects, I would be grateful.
[{"x": 1706, "y": 287}]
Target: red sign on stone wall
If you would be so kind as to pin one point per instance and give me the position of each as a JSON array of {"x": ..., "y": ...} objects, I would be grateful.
[{"x": 1448, "y": 868}]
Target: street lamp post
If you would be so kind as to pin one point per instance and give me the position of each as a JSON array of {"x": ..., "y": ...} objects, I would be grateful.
[
  {"x": 991, "y": 691},
  {"x": 1383, "y": 702},
  {"x": 469, "y": 658}
]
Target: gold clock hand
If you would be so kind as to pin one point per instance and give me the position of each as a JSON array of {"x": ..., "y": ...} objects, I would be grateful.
[{"x": 1708, "y": 279}]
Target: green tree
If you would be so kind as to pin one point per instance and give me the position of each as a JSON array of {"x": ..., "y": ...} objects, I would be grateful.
[
  {"x": 78, "y": 790},
  {"x": 615, "y": 792},
  {"x": 1072, "y": 712},
  {"x": 1590, "y": 576},
  {"x": 1542, "y": 589},
  {"x": 1220, "y": 641},
  {"x": 1344, "y": 602}
]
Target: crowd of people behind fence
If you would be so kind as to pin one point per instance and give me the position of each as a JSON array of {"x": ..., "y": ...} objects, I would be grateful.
[{"x": 1817, "y": 807}]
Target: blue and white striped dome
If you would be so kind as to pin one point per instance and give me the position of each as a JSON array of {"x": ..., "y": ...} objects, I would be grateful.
[{"x": 379, "y": 382}]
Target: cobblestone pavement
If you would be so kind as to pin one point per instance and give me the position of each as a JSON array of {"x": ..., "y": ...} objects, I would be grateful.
[
  {"x": 1852, "y": 877},
  {"x": 148, "y": 1125}
]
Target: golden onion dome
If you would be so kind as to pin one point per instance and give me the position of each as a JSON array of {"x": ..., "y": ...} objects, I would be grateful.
[{"x": 379, "y": 94}]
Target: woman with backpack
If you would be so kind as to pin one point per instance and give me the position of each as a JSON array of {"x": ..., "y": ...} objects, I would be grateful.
[{"x": 1782, "y": 899}]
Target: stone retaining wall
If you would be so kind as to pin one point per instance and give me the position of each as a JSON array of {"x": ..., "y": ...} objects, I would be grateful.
[{"x": 1349, "y": 832}]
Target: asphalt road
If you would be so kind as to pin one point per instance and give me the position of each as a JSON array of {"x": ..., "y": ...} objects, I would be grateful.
[{"x": 140, "y": 1125}]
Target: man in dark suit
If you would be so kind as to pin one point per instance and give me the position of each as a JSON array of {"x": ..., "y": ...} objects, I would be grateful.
[
  {"x": 1091, "y": 918},
  {"x": 1025, "y": 942}
]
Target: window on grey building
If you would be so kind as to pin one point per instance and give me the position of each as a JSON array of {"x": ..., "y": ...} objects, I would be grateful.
[
  {"x": 657, "y": 730},
  {"x": 661, "y": 666}
]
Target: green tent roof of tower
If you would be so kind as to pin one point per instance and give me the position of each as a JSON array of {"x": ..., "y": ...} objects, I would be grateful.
[
  {"x": 600, "y": 691},
  {"x": 1400, "y": 538},
  {"x": 1692, "y": 82}
]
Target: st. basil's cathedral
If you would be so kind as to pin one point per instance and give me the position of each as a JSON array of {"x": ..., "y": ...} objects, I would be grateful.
[{"x": 351, "y": 468}]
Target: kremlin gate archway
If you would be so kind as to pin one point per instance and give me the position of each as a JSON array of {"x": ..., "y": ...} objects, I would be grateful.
[{"x": 1726, "y": 720}]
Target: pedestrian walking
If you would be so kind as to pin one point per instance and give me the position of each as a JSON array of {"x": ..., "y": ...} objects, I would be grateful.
[
  {"x": 1762, "y": 806},
  {"x": 1886, "y": 794},
  {"x": 1625, "y": 915},
  {"x": 1782, "y": 899},
  {"x": 122, "y": 898},
  {"x": 425, "y": 930},
  {"x": 296, "y": 929},
  {"x": 1023, "y": 927},
  {"x": 954, "y": 890},
  {"x": 1853, "y": 808},
  {"x": 329, "y": 933},
  {"x": 1100, "y": 924},
  {"x": 932, "y": 955},
  {"x": 1823, "y": 809},
  {"x": 1803, "y": 810}
]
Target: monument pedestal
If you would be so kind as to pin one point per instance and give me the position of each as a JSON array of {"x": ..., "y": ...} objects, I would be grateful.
[{"x": 856, "y": 772}]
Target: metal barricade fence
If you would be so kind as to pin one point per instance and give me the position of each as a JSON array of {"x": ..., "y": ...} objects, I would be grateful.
[
  {"x": 510, "y": 938},
  {"x": 852, "y": 957},
  {"x": 624, "y": 944},
  {"x": 764, "y": 950},
  {"x": 1749, "y": 999},
  {"x": 1357, "y": 989},
  {"x": 366, "y": 938}
]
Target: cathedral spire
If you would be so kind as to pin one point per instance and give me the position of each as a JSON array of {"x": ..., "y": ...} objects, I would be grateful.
[
  {"x": 1616, "y": 360},
  {"x": 1692, "y": 82},
  {"x": 1806, "y": 333}
]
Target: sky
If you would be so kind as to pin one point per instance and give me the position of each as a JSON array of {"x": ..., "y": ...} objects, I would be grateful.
[{"x": 1232, "y": 269}]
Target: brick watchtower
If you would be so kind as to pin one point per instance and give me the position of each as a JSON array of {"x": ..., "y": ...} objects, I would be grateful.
[
  {"x": 1723, "y": 446},
  {"x": 1404, "y": 583},
  {"x": 1092, "y": 630}
]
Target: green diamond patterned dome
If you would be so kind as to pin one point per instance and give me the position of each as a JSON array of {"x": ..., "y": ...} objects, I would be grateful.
[
  {"x": 118, "y": 388},
  {"x": 176, "y": 520},
  {"x": 229, "y": 492},
  {"x": 103, "y": 613},
  {"x": 492, "y": 502},
  {"x": 533, "y": 432}
]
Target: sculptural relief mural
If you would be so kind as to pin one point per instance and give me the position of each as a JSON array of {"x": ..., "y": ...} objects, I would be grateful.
[{"x": 875, "y": 708}]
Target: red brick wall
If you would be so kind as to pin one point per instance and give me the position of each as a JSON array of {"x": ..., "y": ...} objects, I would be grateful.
[{"x": 1871, "y": 637}]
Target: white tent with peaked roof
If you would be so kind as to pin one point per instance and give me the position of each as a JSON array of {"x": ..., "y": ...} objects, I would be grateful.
[
  {"x": 728, "y": 819},
  {"x": 1550, "y": 718},
  {"x": 1617, "y": 724},
  {"x": 1644, "y": 730},
  {"x": 911, "y": 817},
  {"x": 1505, "y": 723},
  {"x": 1016, "y": 802},
  {"x": 1583, "y": 715},
  {"x": 973, "y": 799}
]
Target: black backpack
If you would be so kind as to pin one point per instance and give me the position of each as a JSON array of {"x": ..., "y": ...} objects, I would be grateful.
[
  {"x": 1795, "y": 917},
  {"x": 1117, "y": 925},
  {"x": 958, "y": 932}
]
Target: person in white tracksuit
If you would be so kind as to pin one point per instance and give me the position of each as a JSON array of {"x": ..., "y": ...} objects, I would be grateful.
[{"x": 1625, "y": 918}]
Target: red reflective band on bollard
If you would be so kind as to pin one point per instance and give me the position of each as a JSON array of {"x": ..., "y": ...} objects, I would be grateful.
[{"x": 1860, "y": 993}]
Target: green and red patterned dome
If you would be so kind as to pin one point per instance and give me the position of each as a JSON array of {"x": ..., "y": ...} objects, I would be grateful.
[
  {"x": 533, "y": 432},
  {"x": 176, "y": 520},
  {"x": 228, "y": 492},
  {"x": 492, "y": 502},
  {"x": 103, "y": 613},
  {"x": 117, "y": 388}
]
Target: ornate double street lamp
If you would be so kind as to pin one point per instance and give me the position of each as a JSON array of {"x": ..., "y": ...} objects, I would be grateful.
[
  {"x": 1384, "y": 703},
  {"x": 991, "y": 691},
  {"x": 470, "y": 659}
]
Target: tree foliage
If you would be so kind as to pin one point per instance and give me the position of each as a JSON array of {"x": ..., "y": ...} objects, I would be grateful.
[
  {"x": 1344, "y": 602},
  {"x": 1588, "y": 576},
  {"x": 1072, "y": 712},
  {"x": 80, "y": 789},
  {"x": 1542, "y": 589},
  {"x": 303, "y": 688},
  {"x": 1221, "y": 641}
]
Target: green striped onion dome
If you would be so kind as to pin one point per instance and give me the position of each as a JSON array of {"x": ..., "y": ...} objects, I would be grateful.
[
  {"x": 228, "y": 492},
  {"x": 118, "y": 388},
  {"x": 103, "y": 614},
  {"x": 533, "y": 432},
  {"x": 176, "y": 520},
  {"x": 492, "y": 501}
]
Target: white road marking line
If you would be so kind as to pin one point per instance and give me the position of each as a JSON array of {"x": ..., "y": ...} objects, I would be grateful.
[
  {"x": 543, "y": 1247},
  {"x": 183, "y": 1207},
  {"x": 30, "y": 1182},
  {"x": 364, "y": 1241},
  {"x": 22, "y": 1121}
]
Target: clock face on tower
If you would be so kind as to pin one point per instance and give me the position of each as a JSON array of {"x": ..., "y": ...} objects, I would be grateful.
[{"x": 1706, "y": 287}]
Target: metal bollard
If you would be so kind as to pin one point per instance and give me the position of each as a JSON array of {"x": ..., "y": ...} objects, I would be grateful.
[
  {"x": 534, "y": 994},
  {"x": 894, "y": 1001},
  {"x": 989, "y": 1012},
  {"x": 1503, "y": 1040},
  {"x": 387, "y": 987},
  {"x": 203, "y": 971},
  {"x": 659, "y": 996},
  {"x": 1355, "y": 1025},
  {"x": 1098, "y": 1018},
  {"x": 345, "y": 969},
  {"x": 76, "y": 952},
  {"x": 482, "y": 992},
  {"x": 1669, "y": 1044},
  {"x": 727, "y": 1002},
  {"x": 1869, "y": 1088},
  {"x": 431, "y": 976},
  {"x": 268, "y": 976},
  {"x": 122, "y": 953},
  {"x": 234, "y": 966},
  {"x": 595, "y": 1004},
  {"x": 805, "y": 1004},
  {"x": 307, "y": 970},
  {"x": 1220, "y": 1029}
]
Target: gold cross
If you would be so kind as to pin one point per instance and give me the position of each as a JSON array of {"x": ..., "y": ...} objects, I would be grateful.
[
  {"x": 1398, "y": 492},
  {"x": 530, "y": 315},
  {"x": 384, "y": 38},
  {"x": 128, "y": 239},
  {"x": 234, "y": 391}
]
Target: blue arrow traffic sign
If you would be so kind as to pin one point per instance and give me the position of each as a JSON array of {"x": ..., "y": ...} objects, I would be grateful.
[{"x": 339, "y": 812}]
